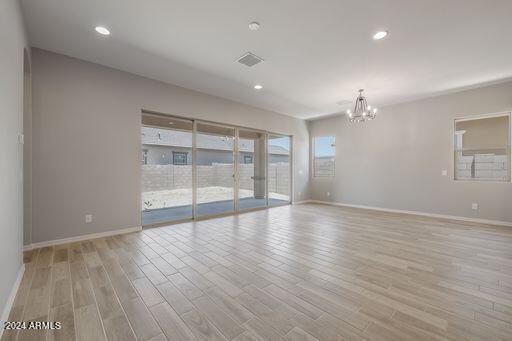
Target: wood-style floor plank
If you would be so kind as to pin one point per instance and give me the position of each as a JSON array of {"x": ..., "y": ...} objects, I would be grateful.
[{"x": 302, "y": 272}]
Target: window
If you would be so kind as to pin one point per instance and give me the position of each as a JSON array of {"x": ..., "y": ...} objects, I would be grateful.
[
  {"x": 179, "y": 158},
  {"x": 144, "y": 157},
  {"x": 324, "y": 155},
  {"x": 247, "y": 159},
  {"x": 482, "y": 148}
]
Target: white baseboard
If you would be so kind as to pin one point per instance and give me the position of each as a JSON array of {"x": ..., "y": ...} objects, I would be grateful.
[
  {"x": 301, "y": 202},
  {"x": 425, "y": 214},
  {"x": 10, "y": 299},
  {"x": 81, "y": 238}
]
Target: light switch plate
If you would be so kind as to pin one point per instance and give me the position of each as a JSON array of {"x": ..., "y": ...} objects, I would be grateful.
[
  {"x": 21, "y": 138},
  {"x": 88, "y": 218},
  {"x": 444, "y": 172},
  {"x": 474, "y": 206}
]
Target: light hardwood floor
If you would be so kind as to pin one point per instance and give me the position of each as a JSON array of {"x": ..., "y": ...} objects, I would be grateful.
[{"x": 302, "y": 272}]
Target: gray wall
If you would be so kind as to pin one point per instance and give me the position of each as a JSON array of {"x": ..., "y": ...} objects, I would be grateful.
[
  {"x": 86, "y": 141},
  {"x": 27, "y": 158},
  {"x": 12, "y": 42},
  {"x": 396, "y": 161}
]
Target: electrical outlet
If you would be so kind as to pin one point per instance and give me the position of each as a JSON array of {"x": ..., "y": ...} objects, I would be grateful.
[
  {"x": 328, "y": 194},
  {"x": 444, "y": 172},
  {"x": 88, "y": 218},
  {"x": 474, "y": 206}
]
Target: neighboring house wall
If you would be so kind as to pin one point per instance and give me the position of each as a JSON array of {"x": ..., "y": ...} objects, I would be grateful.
[
  {"x": 396, "y": 161},
  {"x": 277, "y": 158},
  {"x": 163, "y": 155},
  {"x": 489, "y": 134},
  {"x": 87, "y": 141},
  {"x": 158, "y": 145},
  {"x": 13, "y": 43}
]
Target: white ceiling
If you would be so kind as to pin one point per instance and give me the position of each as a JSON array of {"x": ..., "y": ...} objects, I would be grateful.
[{"x": 317, "y": 52}]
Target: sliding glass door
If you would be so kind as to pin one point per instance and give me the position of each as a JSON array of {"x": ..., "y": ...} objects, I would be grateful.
[
  {"x": 215, "y": 169},
  {"x": 194, "y": 169},
  {"x": 166, "y": 169},
  {"x": 252, "y": 184},
  {"x": 279, "y": 171}
]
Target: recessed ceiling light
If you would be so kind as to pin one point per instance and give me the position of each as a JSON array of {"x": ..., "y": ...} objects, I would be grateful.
[
  {"x": 379, "y": 35},
  {"x": 102, "y": 30},
  {"x": 254, "y": 26},
  {"x": 258, "y": 87}
]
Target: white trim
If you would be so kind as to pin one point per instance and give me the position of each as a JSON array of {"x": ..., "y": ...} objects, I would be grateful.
[
  {"x": 10, "y": 299},
  {"x": 81, "y": 238},
  {"x": 424, "y": 214},
  {"x": 302, "y": 202},
  {"x": 473, "y": 117}
]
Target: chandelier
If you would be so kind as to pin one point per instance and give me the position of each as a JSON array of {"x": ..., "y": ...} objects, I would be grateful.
[{"x": 362, "y": 111}]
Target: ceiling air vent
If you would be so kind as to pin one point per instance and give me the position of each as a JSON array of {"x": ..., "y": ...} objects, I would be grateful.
[{"x": 249, "y": 59}]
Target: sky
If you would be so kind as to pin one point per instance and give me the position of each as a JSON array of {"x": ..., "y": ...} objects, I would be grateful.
[
  {"x": 323, "y": 146},
  {"x": 281, "y": 142}
]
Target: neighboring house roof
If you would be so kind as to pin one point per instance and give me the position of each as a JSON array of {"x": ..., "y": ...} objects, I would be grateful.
[{"x": 177, "y": 138}]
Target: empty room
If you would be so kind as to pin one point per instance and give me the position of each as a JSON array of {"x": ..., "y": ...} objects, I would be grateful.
[{"x": 255, "y": 170}]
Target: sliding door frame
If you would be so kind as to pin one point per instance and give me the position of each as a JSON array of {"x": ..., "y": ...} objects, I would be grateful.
[
  {"x": 265, "y": 134},
  {"x": 194, "y": 170},
  {"x": 236, "y": 174},
  {"x": 290, "y": 175},
  {"x": 194, "y": 189},
  {"x": 191, "y": 131},
  {"x": 236, "y": 171}
]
